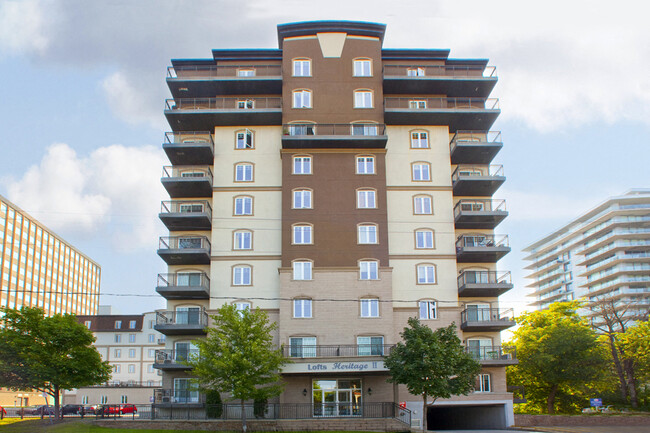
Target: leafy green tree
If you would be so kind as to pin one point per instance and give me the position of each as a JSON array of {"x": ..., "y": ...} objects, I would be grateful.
[
  {"x": 238, "y": 357},
  {"x": 559, "y": 356},
  {"x": 432, "y": 364},
  {"x": 636, "y": 345},
  {"x": 49, "y": 354}
]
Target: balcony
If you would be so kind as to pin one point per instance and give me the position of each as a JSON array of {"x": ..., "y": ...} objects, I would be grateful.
[
  {"x": 346, "y": 135},
  {"x": 185, "y": 397},
  {"x": 186, "y": 215},
  {"x": 480, "y": 248},
  {"x": 479, "y": 214},
  {"x": 483, "y": 283},
  {"x": 477, "y": 180},
  {"x": 493, "y": 356},
  {"x": 184, "y": 285},
  {"x": 192, "y": 321},
  {"x": 187, "y": 181},
  {"x": 189, "y": 148},
  {"x": 452, "y": 80},
  {"x": 337, "y": 351},
  {"x": 476, "y": 114},
  {"x": 474, "y": 147},
  {"x": 195, "y": 81},
  {"x": 174, "y": 360},
  {"x": 184, "y": 250},
  {"x": 486, "y": 319},
  {"x": 198, "y": 114}
]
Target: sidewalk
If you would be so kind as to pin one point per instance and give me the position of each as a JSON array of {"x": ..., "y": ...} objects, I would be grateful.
[{"x": 589, "y": 429}]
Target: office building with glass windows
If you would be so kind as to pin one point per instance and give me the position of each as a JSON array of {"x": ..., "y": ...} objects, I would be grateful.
[{"x": 342, "y": 187}]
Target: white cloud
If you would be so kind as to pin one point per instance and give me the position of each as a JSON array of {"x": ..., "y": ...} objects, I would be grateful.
[
  {"x": 21, "y": 26},
  {"x": 528, "y": 206},
  {"x": 134, "y": 103},
  {"x": 115, "y": 188}
]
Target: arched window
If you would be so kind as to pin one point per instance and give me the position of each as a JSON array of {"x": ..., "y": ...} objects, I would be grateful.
[
  {"x": 419, "y": 139},
  {"x": 426, "y": 273},
  {"x": 369, "y": 307},
  {"x": 302, "y": 269},
  {"x": 424, "y": 239},
  {"x": 244, "y": 172},
  {"x": 302, "y": 164},
  {"x": 242, "y": 240},
  {"x": 302, "y": 199},
  {"x": 428, "y": 309},
  {"x": 368, "y": 270},
  {"x": 420, "y": 171},
  {"x": 243, "y": 205},
  {"x": 363, "y": 98},
  {"x": 302, "y": 67},
  {"x": 362, "y": 67},
  {"x": 367, "y": 233},
  {"x": 244, "y": 139},
  {"x": 422, "y": 205},
  {"x": 302, "y": 234},
  {"x": 302, "y": 98},
  {"x": 242, "y": 275},
  {"x": 366, "y": 199}
]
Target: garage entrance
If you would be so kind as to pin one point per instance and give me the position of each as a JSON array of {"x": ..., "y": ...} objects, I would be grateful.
[{"x": 458, "y": 417}]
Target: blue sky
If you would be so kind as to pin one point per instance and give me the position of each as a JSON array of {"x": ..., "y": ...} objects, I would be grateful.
[{"x": 83, "y": 86}]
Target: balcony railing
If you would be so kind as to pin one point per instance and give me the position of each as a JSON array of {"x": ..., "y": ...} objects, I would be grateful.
[
  {"x": 224, "y": 104},
  {"x": 492, "y": 354},
  {"x": 417, "y": 71},
  {"x": 187, "y": 173},
  {"x": 189, "y": 148},
  {"x": 476, "y": 171},
  {"x": 484, "y": 277},
  {"x": 186, "y": 207},
  {"x": 184, "y": 242},
  {"x": 333, "y": 351},
  {"x": 478, "y": 205},
  {"x": 243, "y": 72},
  {"x": 178, "y": 396},
  {"x": 128, "y": 384},
  {"x": 189, "y": 138},
  {"x": 169, "y": 356},
  {"x": 187, "y": 279},
  {"x": 440, "y": 103},
  {"x": 487, "y": 316},
  {"x": 335, "y": 129},
  {"x": 482, "y": 241},
  {"x": 182, "y": 322}
]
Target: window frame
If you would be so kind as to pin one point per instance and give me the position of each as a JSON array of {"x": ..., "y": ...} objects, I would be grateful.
[
  {"x": 297, "y": 349},
  {"x": 304, "y": 159},
  {"x": 417, "y": 167},
  {"x": 419, "y": 139},
  {"x": 480, "y": 381},
  {"x": 302, "y": 262},
  {"x": 365, "y": 164},
  {"x": 302, "y": 192},
  {"x": 244, "y": 278},
  {"x": 246, "y": 143},
  {"x": 236, "y": 242},
  {"x": 365, "y": 193},
  {"x": 424, "y": 244},
  {"x": 361, "y": 61},
  {"x": 369, "y": 346},
  {"x": 428, "y": 304},
  {"x": 301, "y": 60},
  {"x": 370, "y": 305},
  {"x": 303, "y": 308},
  {"x": 422, "y": 211},
  {"x": 372, "y": 270},
  {"x": 368, "y": 234},
  {"x": 244, "y": 177},
  {"x": 243, "y": 206},
  {"x": 360, "y": 99},
  {"x": 298, "y": 102},
  {"x": 301, "y": 229},
  {"x": 430, "y": 274}
]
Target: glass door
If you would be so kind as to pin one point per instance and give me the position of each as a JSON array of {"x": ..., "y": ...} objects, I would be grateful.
[{"x": 336, "y": 398}]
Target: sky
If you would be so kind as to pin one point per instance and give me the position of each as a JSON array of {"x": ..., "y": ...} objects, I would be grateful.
[{"x": 82, "y": 88}]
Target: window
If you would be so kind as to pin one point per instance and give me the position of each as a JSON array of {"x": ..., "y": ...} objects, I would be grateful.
[
  {"x": 366, "y": 199},
  {"x": 368, "y": 270},
  {"x": 131, "y": 338},
  {"x": 302, "y": 199},
  {"x": 84, "y": 399},
  {"x": 244, "y": 173},
  {"x": 131, "y": 353},
  {"x": 246, "y": 104},
  {"x": 188, "y": 279},
  {"x": 419, "y": 140},
  {"x": 365, "y": 165},
  {"x": 302, "y": 347},
  {"x": 426, "y": 274},
  {"x": 302, "y": 99},
  {"x": 242, "y": 306},
  {"x": 191, "y": 207},
  {"x": 302, "y": 129},
  {"x": 428, "y": 310},
  {"x": 370, "y": 307},
  {"x": 117, "y": 368},
  {"x": 118, "y": 324},
  {"x": 243, "y": 240},
  {"x": 152, "y": 353},
  {"x": 415, "y": 72},
  {"x": 152, "y": 323},
  {"x": 244, "y": 140},
  {"x": 103, "y": 399},
  {"x": 364, "y": 129},
  {"x": 362, "y": 68},
  {"x": 150, "y": 368},
  {"x": 302, "y": 234},
  {"x": 118, "y": 338},
  {"x": 363, "y": 99},
  {"x": 422, "y": 205},
  {"x": 302, "y": 308},
  {"x": 124, "y": 399},
  {"x": 302, "y": 68},
  {"x": 152, "y": 338},
  {"x": 132, "y": 324},
  {"x": 131, "y": 368},
  {"x": 241, "y": 276},
  {"x": 243, "y": 205},
  {"x": 421, "y": 171},
  {"x": 302, "y": 270},
  {"x": 418, "y": 104},
  {"x": 247, "y": 72},
  {"x": 367, "y": 234},
  {"x": 424, "y": 239},
  {"x": 483, "y": 383},
  {"x": 302, "y": 165},
  {"x": 117, "y": 353},
  {"x": 88, "y": 324},
  {"x": 370, "y": 346}
]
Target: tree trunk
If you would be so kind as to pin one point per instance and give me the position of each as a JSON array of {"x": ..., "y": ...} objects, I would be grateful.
[
  {"x": 619, "y": 367},
  {"x": 631, "y": 382},
  {"x": 550, "y": 402},
  {"x": 57, "y": 414},
  {"x": 424, "y": 412},
  {"x": 243, "y": 416}
]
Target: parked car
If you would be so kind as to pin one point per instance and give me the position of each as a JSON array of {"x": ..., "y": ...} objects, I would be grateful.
[
  {"x": 42, "y": 410},
  {"x": 87, "y": 410},
  {"x": 71, "y": 409},
  {"x": 116, "y": 409},
  {"x": 128, "y": 408}
]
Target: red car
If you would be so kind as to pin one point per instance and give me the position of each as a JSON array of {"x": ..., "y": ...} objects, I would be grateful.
[{"x": 117, "y": 409}]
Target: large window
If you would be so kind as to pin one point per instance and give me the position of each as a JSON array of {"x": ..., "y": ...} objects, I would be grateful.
[
  {"x": 241, "y": 275},
  {"x": 302, "y": 234},
  {"x": 185, "y": 391},
  {"x": 421, "y": 171},
  {"x": 302, "y": 68},
  {"x": 418, "y": 104},
  {"x": 302, "y": 347},
  {"x": 365, "y": 165},
  {"x": 483, "y": 383},
  {"x": 415, "y": 72},
  {"x": 302, "y": 308},
  {"x": 426, "y": 273},
  {"x": 419, "y": 139},
  {"x": 369, "y": 270},
  {"x": 188, "y": 279},
  {"x": 242, "y": 306},
  {"x": 302, "y": 270},
  {"x": 422, "y": 205},
  {"x": 370, "y": 346},
  {"x": 363, "y": 99},
  {"x": 243, "y": 240},
  {"x": 302, "y": 199},
  {"x": 364, "y": 129},
  {"x": 244, "y": 140},
  {"x": 243, "y": 205},
  {"x": 367, "y": 233},
  {"x": 428, "y": 310},
  {"x": 369, "y": 307},
  {"x": 244, "y": 172},
  {"x": 302, "y": 165},
  {"x": 366, "y": 199},
  {"x": 424, "y": 239},
  {"x": 302, "y": 98},
  {"x": 362, "y": 67}
]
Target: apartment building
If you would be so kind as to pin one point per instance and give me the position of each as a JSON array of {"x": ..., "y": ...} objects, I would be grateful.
[
  {"x": 129, "y": 343},
  {"x": 601, "y": 255},
  {"x": 342, "y": 187}
]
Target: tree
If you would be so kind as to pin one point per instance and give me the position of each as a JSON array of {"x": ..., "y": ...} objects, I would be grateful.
[
  {"x": 558, "y": 353},
  {"x": 635, "y": 343},
  {"x": 432, "y": 364},
  {"x": 49, "y": 354},
  {"x": 238, "y": 357}
]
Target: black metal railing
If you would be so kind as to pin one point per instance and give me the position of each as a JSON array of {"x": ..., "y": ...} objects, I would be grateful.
[
  {"x": 440, "y": 103},
  {"x": 333, "y": 351},
  {"x": 190, "y": 138},
  {"x": 186, "y": 207},
  {"x": 184, "y": 279},
  {"x": 178, "y": 396},
  {"x": 243, "y": 104},
  {"x": 487, "y": 315},
  {"x": 128, "y": 384},
  {"x": 187, "y": 172},
  {"x": 420, "y": 71},
  {"x": 334, "y": 129},
  {"x": 478, "y": 205},
  {"x": 232, "y": 71},
  {"x": 473, "y": 171},
  {"x": 182, "y": 318},
  {"x": 475, "y": 137},
  {"x": 183, "y": 242},
  {"x": 482, "y": 241},
  {"x": 484, "y": 277},
  {"x": 492, "y": 353},
  {"x": 170, "y": 356}
]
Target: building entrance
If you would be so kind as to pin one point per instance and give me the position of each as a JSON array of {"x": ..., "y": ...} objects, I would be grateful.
[{"x": 336, "y": 397}]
